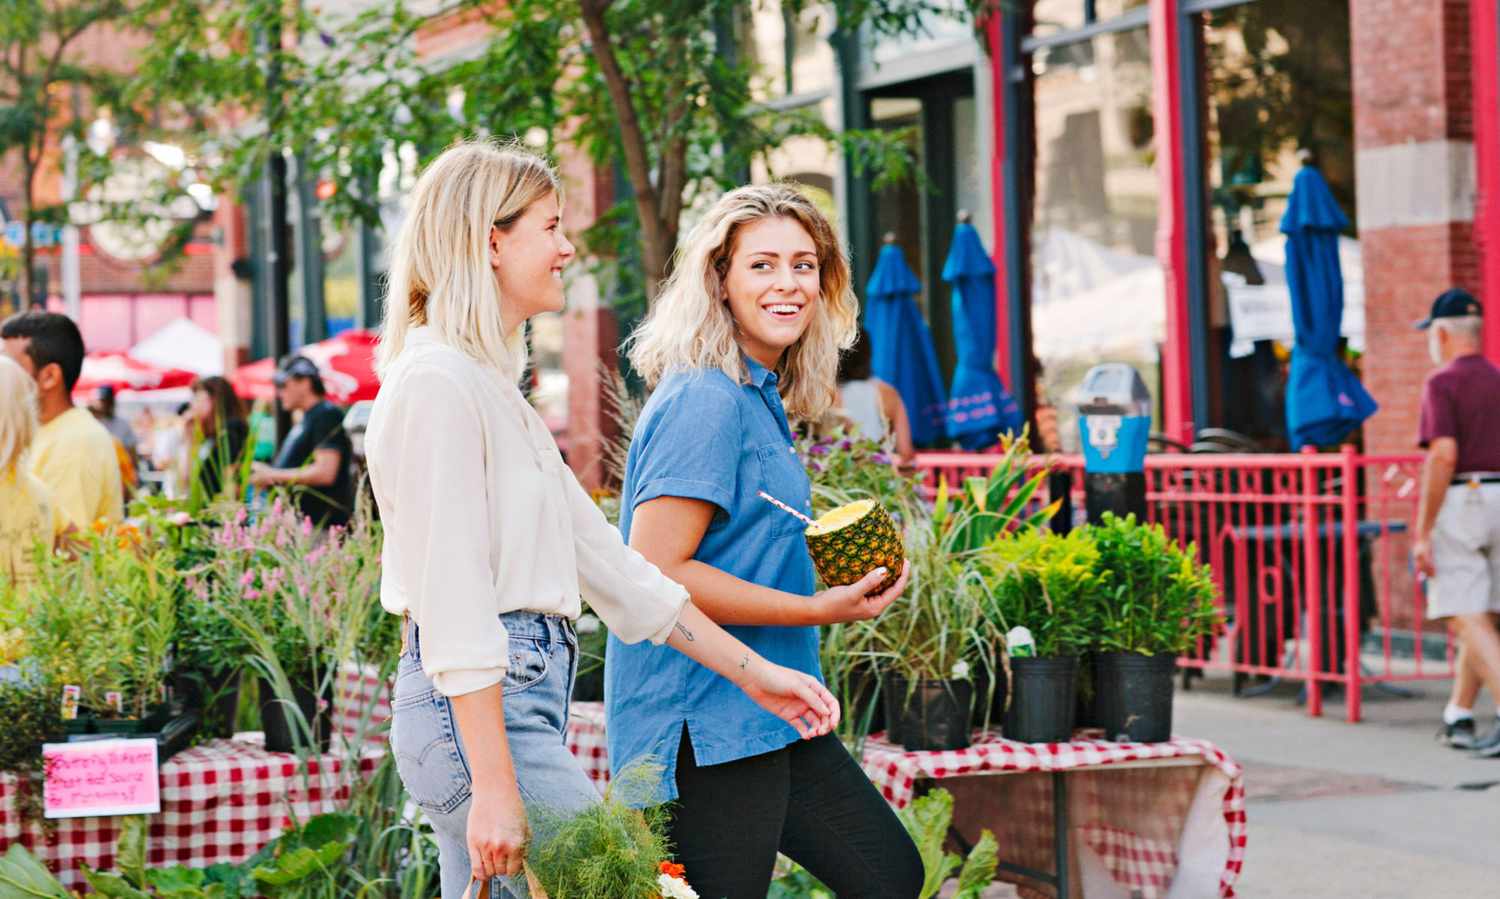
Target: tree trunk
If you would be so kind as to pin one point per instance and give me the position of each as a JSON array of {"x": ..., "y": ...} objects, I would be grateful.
[
  {"x": 28, "y": 247},
  {"x": 658, "y": 237}
]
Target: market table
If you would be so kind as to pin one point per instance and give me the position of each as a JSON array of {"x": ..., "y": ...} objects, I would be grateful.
[
  {"x": 1147, "y": 820},
  {"x": 1131, "y": 819},
  {"x": 221, "y": 801}
]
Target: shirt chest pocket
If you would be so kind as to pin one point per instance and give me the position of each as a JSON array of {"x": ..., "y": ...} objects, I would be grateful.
[{"x": 782, "y": 476}]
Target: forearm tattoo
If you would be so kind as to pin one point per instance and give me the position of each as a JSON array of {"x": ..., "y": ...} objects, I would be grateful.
[
  {"x": 745, "y": 662},
  {"x": 686, "y": 633}
]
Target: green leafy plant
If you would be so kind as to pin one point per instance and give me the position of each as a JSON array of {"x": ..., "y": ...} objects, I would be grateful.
[
  {"x": 607, "y": 850},
  {"x": 1049, "y": 584},
  {"x": 1002, "y": 503},
  {"x": 927, "y": 819},
  {"x": 102, "y": 616},
  {"x": 303, "y": 601},
  {"x": 1156, "y": 596},
  {"x": 937, "y": 629}
]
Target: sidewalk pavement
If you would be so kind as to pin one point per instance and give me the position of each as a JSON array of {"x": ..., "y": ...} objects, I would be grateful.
[{"x": 1369, "y": 810}]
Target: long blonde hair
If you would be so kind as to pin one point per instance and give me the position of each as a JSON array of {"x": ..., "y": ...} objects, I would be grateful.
[
  {"x": 440, "y": 273},
  {"x": 690, "y": 327},
  {"x": 18, "y": 421}
]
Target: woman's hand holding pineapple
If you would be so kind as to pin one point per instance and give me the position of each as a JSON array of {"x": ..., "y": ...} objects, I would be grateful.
[{"x": 856, "y": 602}]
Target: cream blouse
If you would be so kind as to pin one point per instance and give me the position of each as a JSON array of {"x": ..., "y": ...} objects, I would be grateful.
[{"x": 482, "y": 517}]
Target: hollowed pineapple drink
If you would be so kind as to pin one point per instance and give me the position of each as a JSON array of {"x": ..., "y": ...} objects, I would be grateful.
[{"x": 851, "y": 541}]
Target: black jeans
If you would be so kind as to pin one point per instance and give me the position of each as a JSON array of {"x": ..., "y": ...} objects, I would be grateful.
[{"x": 811, "y": 801}]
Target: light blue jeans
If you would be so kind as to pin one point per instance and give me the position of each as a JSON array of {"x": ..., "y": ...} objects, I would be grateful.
[{"x": 434, "y": 763}]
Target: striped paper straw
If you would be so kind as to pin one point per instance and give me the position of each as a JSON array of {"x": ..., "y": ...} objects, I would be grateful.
[{"x": 785, "y": 508}]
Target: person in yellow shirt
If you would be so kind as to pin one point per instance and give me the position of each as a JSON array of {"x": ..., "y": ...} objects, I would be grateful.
[
  {"x": 26, "y": 516},
  {"x": 74, "y": 456}
]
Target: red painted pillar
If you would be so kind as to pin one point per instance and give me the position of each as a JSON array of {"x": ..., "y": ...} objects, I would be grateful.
[
  {"x": 993, "y": 26},
  {"x": 1171, "y": 221},
  {"x": 1484, "y": 36}
]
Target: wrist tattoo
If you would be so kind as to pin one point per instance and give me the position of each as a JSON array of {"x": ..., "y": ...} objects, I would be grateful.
[
  {"x": 745, "y": 662},
  {"x": 686, "y": 633}
]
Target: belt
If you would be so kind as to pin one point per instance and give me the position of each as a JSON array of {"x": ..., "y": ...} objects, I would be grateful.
[
  {"x": 1463, "y": 480},
  {"x": 405, "y": 629}
]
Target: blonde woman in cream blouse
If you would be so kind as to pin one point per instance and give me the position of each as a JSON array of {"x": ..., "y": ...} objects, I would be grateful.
[{"x": 490, "y": 541}]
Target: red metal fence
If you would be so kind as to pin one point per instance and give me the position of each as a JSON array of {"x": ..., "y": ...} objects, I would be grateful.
[{"x": 1311, "y": 553}]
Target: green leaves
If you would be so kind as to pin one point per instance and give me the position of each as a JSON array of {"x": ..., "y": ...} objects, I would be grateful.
[
  {"x": 928, "y": 819},
  {"x": 1048, "y": 583},
  {"x": 979, "y": 868},
  {"x": 1159, "y": 598},
  {"x": 23, "y": 876}
]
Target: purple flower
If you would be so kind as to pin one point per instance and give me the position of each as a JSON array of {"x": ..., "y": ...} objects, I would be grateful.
[
  {"x": 880, "y": 459},
  {"x": 818, "y": 449}
]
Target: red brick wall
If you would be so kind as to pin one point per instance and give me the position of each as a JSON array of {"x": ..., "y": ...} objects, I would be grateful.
[
  {"x": 1401, "y": 267},
  {"x": 1412, "y": 84}
]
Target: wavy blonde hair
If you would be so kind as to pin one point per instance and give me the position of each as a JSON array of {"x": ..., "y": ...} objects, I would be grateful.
[
  {"x": 18, "y": 422},
  {"x": 691, "y": 327},
  {"x": 440, "y": 274}
]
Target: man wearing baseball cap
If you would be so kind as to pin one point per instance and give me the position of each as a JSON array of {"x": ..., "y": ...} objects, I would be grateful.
[
  {"x": 1457, "y": 540},
  {"x": 316, "y": 455}
]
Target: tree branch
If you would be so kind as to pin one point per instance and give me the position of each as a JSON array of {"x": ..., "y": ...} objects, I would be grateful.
[{"x": 633, "y": 143}]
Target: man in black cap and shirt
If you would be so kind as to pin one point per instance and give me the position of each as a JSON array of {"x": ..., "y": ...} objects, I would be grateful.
[
  {"x": 316, "y": 454},
  {"x": 1456, "y": 545}
]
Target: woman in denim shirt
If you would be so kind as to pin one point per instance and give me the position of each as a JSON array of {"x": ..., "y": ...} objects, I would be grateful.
[
  {"x": 747, "y": 330},
  {"x": 489, "y": 539}
]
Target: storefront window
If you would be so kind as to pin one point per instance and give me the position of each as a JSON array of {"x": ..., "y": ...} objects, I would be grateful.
[
  {"x": 1097, "y": 290},
  {"x": 1277, "y": 91},
  {"x": 1055, "y": 16}
]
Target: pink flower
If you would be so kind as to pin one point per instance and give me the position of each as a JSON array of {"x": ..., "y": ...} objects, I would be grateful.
[{"x": 247, "y": 578}]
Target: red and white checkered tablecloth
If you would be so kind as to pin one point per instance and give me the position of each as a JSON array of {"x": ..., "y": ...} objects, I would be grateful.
[
  {"x": 220, "y": 802},
  {"x": 587, "y": 741},
  {"x": 1137, "y": 819}
]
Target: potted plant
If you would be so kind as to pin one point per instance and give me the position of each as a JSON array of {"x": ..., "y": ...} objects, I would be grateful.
[
  {"x": 929, "y": 645},
  {"x": 302, "y": 601},
  {"x": 101, "y": 618},
  {"x": 1045, "y": 583},
  {"x": 1157, "y": 601}
]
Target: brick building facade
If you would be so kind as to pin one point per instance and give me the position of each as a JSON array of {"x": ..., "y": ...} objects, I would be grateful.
[{"x": 1414, "y": 125}]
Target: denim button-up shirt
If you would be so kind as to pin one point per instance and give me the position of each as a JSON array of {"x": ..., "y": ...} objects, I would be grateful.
[{"x": 703, "y": 436}]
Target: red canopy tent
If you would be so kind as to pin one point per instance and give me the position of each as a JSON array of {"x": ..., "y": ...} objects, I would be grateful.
[
  {"x": 347, "y": 363},
  {"x": 125, "y": 373}
]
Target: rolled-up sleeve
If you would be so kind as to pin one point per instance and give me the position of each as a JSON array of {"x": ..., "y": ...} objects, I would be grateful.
[
  {"x": 693, "y": 449},
  {"x": 442, "y": 531},
  {"x": 631, "y": 595}
]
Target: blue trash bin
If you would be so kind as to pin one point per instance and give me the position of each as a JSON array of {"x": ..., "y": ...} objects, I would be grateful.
[{"x": 1115, "y": 420}]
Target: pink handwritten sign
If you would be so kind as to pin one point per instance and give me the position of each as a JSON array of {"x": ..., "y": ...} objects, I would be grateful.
[{"x": 104, "y": 777}]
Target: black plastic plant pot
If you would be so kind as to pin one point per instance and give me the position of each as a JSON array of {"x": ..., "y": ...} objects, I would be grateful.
[
  {"x": 929, "y": 714},
  {"x": 1088, "y": 693},
  {"x": 280, "y": 724},
  {"x": 1135, "y": 695},
  {"x": 1043, "y": 700},
  {"x": 155, "y": 720}
]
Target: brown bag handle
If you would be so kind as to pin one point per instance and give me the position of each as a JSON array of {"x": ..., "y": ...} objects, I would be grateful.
[{"x": 532, "y": 884}]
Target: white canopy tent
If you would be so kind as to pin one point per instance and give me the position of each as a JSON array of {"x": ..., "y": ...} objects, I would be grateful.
[{"x": 183, "y": 344}]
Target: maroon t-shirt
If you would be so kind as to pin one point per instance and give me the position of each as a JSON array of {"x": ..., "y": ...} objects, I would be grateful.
[{"x": 1462, "y": 400}]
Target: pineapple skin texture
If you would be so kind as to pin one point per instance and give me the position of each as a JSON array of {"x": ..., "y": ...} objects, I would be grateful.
[{"x": 846, "y": 555}]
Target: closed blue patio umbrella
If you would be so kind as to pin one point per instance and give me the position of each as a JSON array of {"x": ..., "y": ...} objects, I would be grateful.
[
  {"x": 1324, "y": 400},
  {"x": 901, "y": 352},
  {"x": 979, "y": 407}
]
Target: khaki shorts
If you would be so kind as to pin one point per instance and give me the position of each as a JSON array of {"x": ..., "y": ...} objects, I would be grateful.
[{"x": 1466, "y": 553}]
